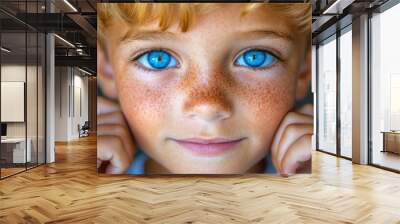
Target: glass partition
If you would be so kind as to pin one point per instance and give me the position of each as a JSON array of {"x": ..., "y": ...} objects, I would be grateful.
[
  {"x": 14, "y": 151},
  {"x": 31, "y": 98},
  {"x": 41, "y": 96},
  {"x": 22, "y": 101},
  {"x": 327, "y": 95}
]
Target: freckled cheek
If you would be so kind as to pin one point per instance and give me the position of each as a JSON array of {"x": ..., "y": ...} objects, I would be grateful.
[
  {"x": 145, "y": 107},
  {"x": 266, "y": 105}
]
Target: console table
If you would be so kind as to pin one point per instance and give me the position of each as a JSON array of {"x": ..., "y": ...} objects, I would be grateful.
[
  {"x": 391, "y": 141},
  {"x": 13, "y": 150}
]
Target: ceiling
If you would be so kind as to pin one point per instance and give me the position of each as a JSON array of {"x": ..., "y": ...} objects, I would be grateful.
[
  {"x": 331, "y": 15},
  {"x": 72, "y": 20}
]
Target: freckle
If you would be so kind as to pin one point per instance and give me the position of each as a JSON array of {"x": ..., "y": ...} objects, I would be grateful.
[
  {"x": 211, "y": 92},
  {"x": 143, "y": 98},
  {"x": 267, "y": 96}
]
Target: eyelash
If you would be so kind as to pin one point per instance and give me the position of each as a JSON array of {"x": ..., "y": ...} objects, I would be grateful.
[
  {"x": 135, "y": 59},
  {"x": 145, "y": 51},
  {"x": 278, "y": 59}
]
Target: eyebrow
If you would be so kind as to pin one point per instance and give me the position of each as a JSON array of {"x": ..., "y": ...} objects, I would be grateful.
[
  {"x": 147, "y": 35},
  {"x": 131, "y": 35},
  {"x": 270, "y": 33}
]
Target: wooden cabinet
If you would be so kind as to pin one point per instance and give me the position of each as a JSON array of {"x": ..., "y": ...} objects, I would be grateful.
[{"x": 391, "y": 141}]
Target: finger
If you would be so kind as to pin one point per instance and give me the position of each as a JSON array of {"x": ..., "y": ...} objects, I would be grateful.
[
  {"x": 111, "y": 118},
  {"x": 115, "y": 124},
  {"x": 290, "y": 135},
  {"x": 110, "y": 148},
  {"x": 307, "y": 109},
  {"x": 105, "y": 105},
  {"x": 120, "y": 131},
  {"x": 299, "y": 153},
  {"x": 291, "y": 117}
]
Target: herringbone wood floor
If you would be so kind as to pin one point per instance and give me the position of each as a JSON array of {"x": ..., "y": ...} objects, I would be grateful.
[{"x": 70, "y": 191}]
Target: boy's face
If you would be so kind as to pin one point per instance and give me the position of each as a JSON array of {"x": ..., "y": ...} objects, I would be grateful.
[{"x": 208, "y": 100}]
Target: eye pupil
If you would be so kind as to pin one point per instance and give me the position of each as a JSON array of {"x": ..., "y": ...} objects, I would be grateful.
[
  {"x": 159, "y": 59},
  {"x": 254, "y": 58}
]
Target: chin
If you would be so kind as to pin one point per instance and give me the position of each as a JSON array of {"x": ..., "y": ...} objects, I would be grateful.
[
  {"x": 210, "y": 168},
  {"x": 182, "y": 161}
]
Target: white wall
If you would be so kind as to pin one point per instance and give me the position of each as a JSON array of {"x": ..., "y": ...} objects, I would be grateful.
[
  {"x": 62, "y": 81},
  {"x": 71, "y": 94},
  {"x": 80, "y": 109}
]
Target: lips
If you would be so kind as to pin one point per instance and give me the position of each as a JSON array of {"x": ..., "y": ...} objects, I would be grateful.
[{"x": 208, "y": 147}]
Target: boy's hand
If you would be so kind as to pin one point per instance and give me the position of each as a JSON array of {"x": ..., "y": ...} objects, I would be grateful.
[
  {"x": 291, "y": 148},
  {"x": 115, "y": 146}
]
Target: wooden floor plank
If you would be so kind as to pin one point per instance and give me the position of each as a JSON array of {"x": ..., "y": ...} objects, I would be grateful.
[{"x": 71, "y": 191}]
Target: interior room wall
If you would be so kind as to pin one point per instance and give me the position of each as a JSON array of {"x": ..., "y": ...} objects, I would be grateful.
[
  {"x": 71, "y": 87},
  {"x": 81, "y": 82},
  {"x": 62, "y": 81}
]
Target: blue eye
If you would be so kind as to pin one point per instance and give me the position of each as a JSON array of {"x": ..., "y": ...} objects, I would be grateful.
[
  {"x": 157, "y": 60},
  {"x": 255, "y": 59}
]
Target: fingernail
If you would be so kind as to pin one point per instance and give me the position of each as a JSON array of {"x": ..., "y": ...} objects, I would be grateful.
[
  {"x": 289, "y": 171},
  {"x": 284, "y": 175}
]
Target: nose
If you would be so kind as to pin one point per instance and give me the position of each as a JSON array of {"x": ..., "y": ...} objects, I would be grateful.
[{"x": 207, "y": 103}]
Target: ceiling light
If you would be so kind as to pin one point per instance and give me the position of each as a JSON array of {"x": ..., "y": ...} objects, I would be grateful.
[
  {"x": 65, "y": 41},
  {"x": 70, "y": 5},
  {"x": 84, "y": 71},
  {"x": 337, "y": 7},
  {"x": 5, "y": 50}
]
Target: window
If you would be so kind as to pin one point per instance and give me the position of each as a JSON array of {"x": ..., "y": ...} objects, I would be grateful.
[
  {"x": 346, "y": 92},
  {"x": 327, "y": 95},
  {"x": 385, "y": 89}
]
